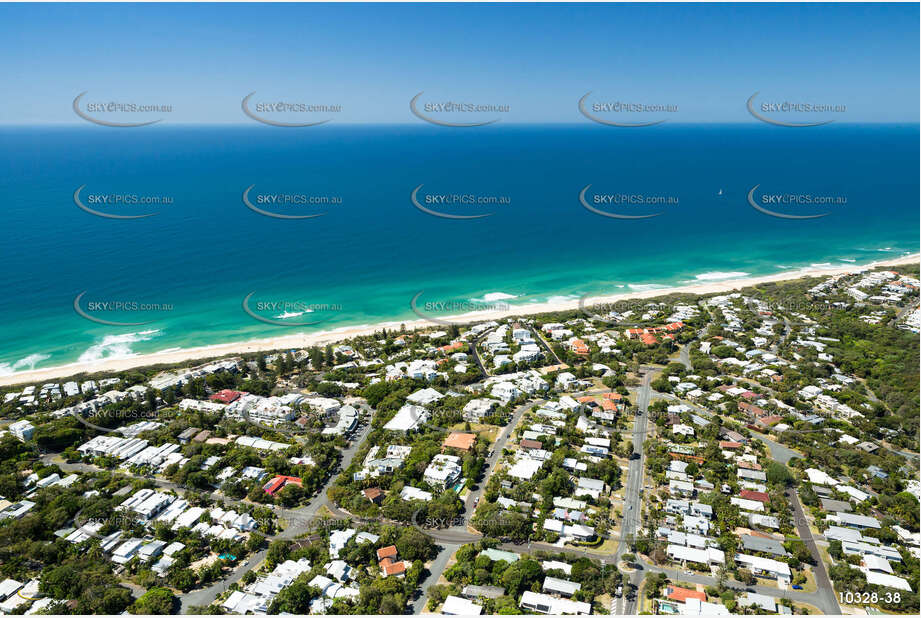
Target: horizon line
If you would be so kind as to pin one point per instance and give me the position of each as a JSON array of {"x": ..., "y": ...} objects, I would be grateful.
[{"x": 422, "y": 124}]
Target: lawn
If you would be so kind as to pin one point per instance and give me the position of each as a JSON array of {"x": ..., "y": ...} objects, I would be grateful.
[
  {"x": 810, "y": 584},
  {"x": 487, "y": 432}
]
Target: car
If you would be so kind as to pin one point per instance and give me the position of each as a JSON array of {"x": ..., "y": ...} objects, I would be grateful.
[
  {"x": 797, "y": 587},
  {"x": 476, "y": 501},
  {"x": 619, "y": 591}
]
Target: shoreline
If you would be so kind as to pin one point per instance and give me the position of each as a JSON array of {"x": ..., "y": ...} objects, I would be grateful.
[{"x": 324, "y": 337}]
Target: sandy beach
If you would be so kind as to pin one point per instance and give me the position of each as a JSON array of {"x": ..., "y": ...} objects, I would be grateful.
[{"x": 324, "y": 337}]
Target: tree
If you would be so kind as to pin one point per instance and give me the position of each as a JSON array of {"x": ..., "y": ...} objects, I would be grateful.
[
  {"x": 290, "y": 495},
  {"x": 778, "y": 474},
  {"x": 279, "y": 551},
  {"x": 520, "y": 575},
  {"x": 157, "y": 601},
  {"x": 183, "y": 579},
  {"x": 412, "y": 544},
  {"x": 254, "y": 541},
  {"x": 294, "y": 599}
]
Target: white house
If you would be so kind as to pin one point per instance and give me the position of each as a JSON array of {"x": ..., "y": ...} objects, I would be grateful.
[
  {"x": 22, "y": 430},
  {"x": 442, "y": 471}
]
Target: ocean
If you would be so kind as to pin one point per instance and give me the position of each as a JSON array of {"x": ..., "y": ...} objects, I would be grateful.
[{"x": 179, "y": 278}]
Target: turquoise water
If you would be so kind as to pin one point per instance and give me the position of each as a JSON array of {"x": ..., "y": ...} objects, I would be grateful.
[{"x": 366, "y": 258}]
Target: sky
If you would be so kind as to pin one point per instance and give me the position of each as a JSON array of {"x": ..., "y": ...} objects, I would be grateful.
[{"x": 537, "y": 59}]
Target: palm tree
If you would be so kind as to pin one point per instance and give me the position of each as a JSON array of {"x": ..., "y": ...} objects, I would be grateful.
[{"x": 94, "y": 551}]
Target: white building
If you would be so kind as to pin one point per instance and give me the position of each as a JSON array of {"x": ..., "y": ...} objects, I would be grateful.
[
  {"x": 546, "y": 604},
  {"x": 459, "y": 606},
  {"x": 477, "y": 409},
  {"x": 22, "y": 430},
  {"x": 766, "y": 566},
  {"x": 442, "y": 471},
  {"x": 408, "y": 417}
]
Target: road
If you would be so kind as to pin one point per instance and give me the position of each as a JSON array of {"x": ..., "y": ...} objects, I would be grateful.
[
  {"x": 824, "y": 598},
  {"x": 546, "y": 346},
  {"x": 298, "y": 523},
  {"x": 452, "y": 538},
  {"x": 476, "y": 354},
  {"x": 633, "y": 490},
  {"x": 826, "y": 592},
  {"x": 435, "y": 570},
  {"x": 497, "y": 448},
  {"x": 684, "y": 357},
  {"x": 676, "y": 574},
  {"x": 778, "y": 451}
]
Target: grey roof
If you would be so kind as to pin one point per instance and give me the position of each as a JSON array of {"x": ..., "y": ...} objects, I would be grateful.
[
  {"x": 760, "y": 600},
  {"x": 488, "y": 592},
  {"x": 757, "y": 543},
  {"x": 755, "y": 475},
  {"x": 835, "y": 505},
  {"x": 863, "y": 521},
  {"x": 189, "y": 433}
]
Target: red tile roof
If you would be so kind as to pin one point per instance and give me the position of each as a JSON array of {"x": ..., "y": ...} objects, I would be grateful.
[
  {"x": 459, "y": 440},
  {"x": 273, "y": 486},
  {"x": 387, "y": 552},
  {"x": 683, "y": 594},
  {"x": 226, "y": 396},
  {"x": 758, "y": 496}
]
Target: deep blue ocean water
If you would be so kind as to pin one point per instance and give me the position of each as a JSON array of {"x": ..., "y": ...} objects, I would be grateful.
[{"x": 370, "y": 255}]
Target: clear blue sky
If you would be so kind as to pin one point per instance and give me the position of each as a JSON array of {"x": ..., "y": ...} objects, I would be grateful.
[{"x": 538, "y": 59}]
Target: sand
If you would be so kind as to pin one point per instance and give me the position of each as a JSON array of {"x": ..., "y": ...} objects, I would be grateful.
[{"x": 340, "y": 334}]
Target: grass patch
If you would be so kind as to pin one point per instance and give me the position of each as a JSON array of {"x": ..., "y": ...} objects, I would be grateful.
[{"x": 487, "y": 432}]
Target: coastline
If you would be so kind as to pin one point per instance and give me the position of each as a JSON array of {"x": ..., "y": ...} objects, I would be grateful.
[{"x": 324, "y": 337}]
